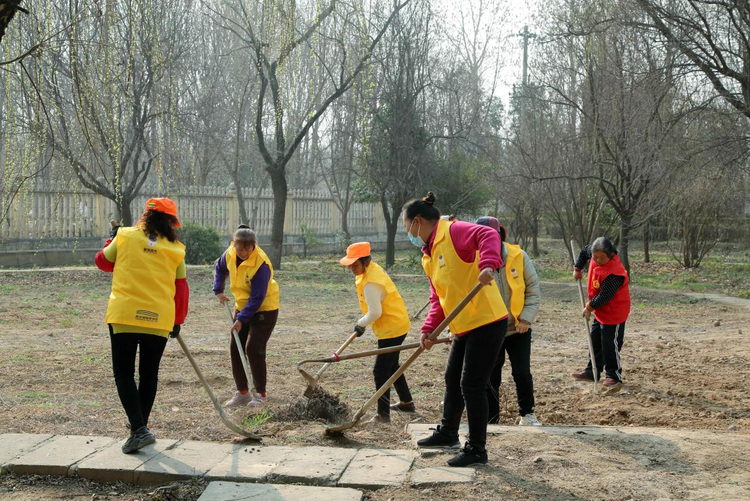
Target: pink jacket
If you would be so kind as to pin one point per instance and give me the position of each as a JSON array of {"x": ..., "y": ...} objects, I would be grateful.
[{"x": 467, "y": 239}]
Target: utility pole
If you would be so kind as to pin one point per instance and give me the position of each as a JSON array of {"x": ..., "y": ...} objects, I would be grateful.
[{"x": 526, "y": 35}]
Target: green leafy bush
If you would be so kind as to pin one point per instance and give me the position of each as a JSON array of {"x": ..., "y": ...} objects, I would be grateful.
[{"x": 202, "y": 243}]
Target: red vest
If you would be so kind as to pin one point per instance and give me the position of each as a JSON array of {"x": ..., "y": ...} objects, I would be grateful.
[{"x": 617, "y": 310}]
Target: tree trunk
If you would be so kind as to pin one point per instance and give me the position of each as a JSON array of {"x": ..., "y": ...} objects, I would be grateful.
[
  {"x": 390, "y": 225},
  {"x": 625, "y": 223},
  {"x": 646, "y": 237},
  {"x": 123, "y": 215},
  {"x": 240, "y": 199},
  {"x": 280, "y": 192},
  {"x": 535, "y": 235},
  {"x": 345, "y": 222}
]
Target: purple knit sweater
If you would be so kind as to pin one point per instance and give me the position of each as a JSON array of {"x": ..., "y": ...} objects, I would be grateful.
[{"x": 258, "y": 286}]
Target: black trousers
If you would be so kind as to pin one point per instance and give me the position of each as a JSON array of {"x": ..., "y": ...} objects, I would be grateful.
[
  {"x": 467, "y": 373},
  {"x": 607, "y": 340},
  {"x": 518, "y": 347},
  {"x": 137, "y": 401},
  {"x": 385, "y": 365}
]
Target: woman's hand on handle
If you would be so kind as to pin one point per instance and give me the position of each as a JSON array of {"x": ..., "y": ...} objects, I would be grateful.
[
  {"x": 577, "y": 275},
  {"x": 425, "y": 342},
  {"x": 223, "y": 298},
  {"x": 236, "y": 326},
  {"x": 486, "y": 276}
]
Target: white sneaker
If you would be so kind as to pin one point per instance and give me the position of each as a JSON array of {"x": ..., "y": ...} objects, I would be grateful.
[
  {"x": 238, "y": 399},
  {"x": 529, "y": 420},
  {"x": 258, "y": 402}
]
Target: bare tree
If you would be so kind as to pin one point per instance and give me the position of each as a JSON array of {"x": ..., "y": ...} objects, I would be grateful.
[
  {"x": 714, "y": 36},
  {"x": 275, "y": 33}
]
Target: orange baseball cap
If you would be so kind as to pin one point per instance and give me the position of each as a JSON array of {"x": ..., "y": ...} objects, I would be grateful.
[
  {"x": 164, "y": 205},
  {"x": 354, "y": 252}
]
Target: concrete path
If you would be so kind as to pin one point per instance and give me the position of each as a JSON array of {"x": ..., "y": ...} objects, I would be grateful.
[{"x": 333, "y": 473}]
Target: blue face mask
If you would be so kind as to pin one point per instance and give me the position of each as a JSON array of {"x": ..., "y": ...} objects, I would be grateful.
[{"x": 416, "y": 241}]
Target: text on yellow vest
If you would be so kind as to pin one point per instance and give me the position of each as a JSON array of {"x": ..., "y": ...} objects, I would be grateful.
[
  {"x": 241, "y": 276},
  {"x": 453, "y": 279},
  {"x": 143, "y": 286},
  {"x": 514, "y": 274},
  {"x": 394, "y": 321}
]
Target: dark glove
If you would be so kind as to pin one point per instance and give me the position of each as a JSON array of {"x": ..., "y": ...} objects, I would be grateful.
[
  {"x": 175, "y": 331},
  {"x": 359, "y": 330},
  {"x": 113, "y": 231}
]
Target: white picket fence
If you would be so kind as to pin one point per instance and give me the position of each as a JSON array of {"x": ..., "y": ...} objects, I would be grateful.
[{"x": 46, "y": 213}]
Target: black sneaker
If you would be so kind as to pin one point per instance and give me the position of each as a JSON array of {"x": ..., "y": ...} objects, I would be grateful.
[
  {"x": 439, "y": 439},
  {"x": 138, "y": 440},
  {"x": 468, "y": 455}
]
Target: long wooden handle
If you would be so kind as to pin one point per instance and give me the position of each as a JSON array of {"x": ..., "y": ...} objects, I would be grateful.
[
  {"x": 387, "y": 385},
  {"x": 588, "y": 328},
  {"x": 229, "y": 424},
  {"x": 241, "y": 351},
  {"x": 369, "y": 353},
  {"x": 337, "y": 352}
]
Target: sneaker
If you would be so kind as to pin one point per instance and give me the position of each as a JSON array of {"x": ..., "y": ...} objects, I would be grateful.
[
  {"x": 402, "y": 407},
  {"x": 529, "y": 420},
  {"x": 238, "y": 399},
  {"x": 380, "y": 419},
  {"x": 467, "y": 456},
  {"x": 258, "y": 402},
  {"x": 583, "y": 376},
  {"x": 439, "y": 439},
  {"x": 138, "y": 440}
]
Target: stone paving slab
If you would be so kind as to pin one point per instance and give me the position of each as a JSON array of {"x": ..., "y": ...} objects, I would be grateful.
[
  {"x": 111, "y": 465},
  {"x": 425, "y": 477},
  {"x": 58, "y": 455},
  {"x": 249, "y": 464},
  {"x": 313, "y": 466},
  {"x": 189, "y": 459},
  {"x": 13, "y": 445},
  {"x": 375, "y": 468},
  {"x": 230, "y": 491}
]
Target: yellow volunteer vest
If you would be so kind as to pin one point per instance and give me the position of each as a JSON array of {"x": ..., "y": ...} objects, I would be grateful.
[
  {"x": 239, "y": 279},
  {"x": 394, "y": 321},
  {"x": 453, "y": 279},
  {"x": 143, "y": 281},
  {"x": 514, "y": 275}
]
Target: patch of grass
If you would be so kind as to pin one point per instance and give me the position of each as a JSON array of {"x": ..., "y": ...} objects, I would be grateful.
[
  {"x": 20, "y": 358},
  {"x": 46, "y": 405},
  {"x": 34, "y": 395},
  {"x": 94, "y": 358},
  {"x": 66, "y": 322},
  {"x": 257, "y": 419}
]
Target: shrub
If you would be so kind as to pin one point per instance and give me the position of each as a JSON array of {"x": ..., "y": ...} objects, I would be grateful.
[{"x": 203, "y": 244}]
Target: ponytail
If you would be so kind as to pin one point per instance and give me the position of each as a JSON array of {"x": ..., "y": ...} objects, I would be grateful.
[{"x": 423, "y": 207}]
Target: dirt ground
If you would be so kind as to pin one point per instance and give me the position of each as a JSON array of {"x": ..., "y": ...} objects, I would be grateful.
[{"x": 686, "y": 365}]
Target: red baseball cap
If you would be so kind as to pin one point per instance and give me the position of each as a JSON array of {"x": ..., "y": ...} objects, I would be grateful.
[{"x": 164, "y": 205}]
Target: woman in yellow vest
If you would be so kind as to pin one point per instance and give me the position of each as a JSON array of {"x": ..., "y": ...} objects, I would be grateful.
[
  {"x": 256, "y": 302},
  {"x": 519, "y": 286},
  {"x": 385, "y": 311},
  {"x": 457, "y": 255},
  {"x": 148, "y": 303}
]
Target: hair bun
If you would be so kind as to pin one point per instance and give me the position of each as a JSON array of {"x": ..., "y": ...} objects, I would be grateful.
[
  {"x": 430, "y": 198},
  {"x": 243, "y": 226}
]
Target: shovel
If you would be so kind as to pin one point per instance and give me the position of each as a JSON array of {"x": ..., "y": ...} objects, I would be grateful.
[
  {"x": 229, "y": 424},
  {"x": 334, "y": 430},
  {"x": 312, "y": 382},
  {"x": 588, "y": 331},
  {"x": 241, "y": 350}
]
